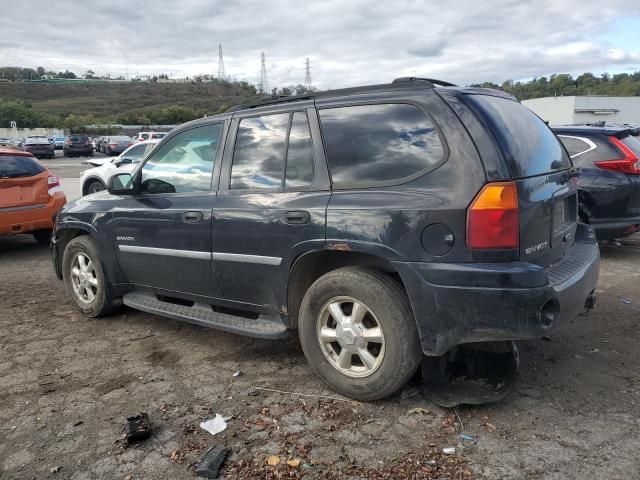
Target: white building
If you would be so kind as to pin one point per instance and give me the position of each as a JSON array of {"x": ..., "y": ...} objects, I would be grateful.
[{"x": 586, "y": 109}]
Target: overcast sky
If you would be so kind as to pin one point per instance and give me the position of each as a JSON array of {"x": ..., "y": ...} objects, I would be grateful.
[{"x": 349, "y": 42}]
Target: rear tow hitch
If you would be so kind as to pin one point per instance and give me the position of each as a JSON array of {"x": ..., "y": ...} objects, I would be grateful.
[{"x": 471, "y": 374}]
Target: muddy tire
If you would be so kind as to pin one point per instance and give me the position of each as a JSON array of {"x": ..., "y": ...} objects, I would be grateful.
[
  {"x": 84, "y": 278},
  {"x": 358, "y": 333},
  {"x": 95, "y": 186}
]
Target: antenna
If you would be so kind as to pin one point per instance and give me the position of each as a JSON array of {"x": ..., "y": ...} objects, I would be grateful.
[
  {"x": 221, "y": 73},
  {"x": 307, "y": 77},
  {"x": 263, "y": 88}
]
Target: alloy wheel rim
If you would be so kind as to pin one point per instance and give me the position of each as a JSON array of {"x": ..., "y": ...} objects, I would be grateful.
[
  {"x": 95, "y": 187},
  {"x": 350, "y": 337},
  {"x": 83, "y": 278}
]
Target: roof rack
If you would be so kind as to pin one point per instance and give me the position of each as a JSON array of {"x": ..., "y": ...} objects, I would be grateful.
[
  {"x": 398, "y": 83},
  {"x": 433, "y": 81}
]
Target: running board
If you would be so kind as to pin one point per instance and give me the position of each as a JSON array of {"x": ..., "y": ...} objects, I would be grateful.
[{"x": 264, "y": 326}]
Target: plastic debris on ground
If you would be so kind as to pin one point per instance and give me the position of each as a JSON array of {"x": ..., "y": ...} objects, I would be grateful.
[
  {"x": 214, "y": 425},
  {"x": 137, "y": 428},
  {"x": 210, "y": 465},
  {"x": 626, "y": 301},
  {"x": 449, "y": 451},
  {"x": 237, "y": 374}
]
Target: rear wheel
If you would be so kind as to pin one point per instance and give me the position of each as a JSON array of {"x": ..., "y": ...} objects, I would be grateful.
[
  {"x": 84, "y": 279},
  {"x": 358, "y": 333},
  {"x": 43, "y": 237},
  {"x": 95, "y": 186}
]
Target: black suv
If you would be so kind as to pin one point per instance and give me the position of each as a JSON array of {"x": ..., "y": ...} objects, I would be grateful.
[
  {"x": 609, "y": 183},
  {"x": 78, "y": 145},
  {"x": 381, "y": 222}
]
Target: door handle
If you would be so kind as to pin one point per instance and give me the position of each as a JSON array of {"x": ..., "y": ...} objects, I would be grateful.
[
  {"x": 297, "y": 217},
  {"x": 192, "y": 217}
]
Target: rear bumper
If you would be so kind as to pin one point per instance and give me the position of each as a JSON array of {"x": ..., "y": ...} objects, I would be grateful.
[
  {"x": 610, "y": 228},
  {"x": 464, "y": 303},
  {"x": 31, "y": 217}
]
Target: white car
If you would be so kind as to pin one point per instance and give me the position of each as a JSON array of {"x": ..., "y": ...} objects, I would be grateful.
[
  {"x": 96, "y": 179},
  {"x": 142, "y": 136}
]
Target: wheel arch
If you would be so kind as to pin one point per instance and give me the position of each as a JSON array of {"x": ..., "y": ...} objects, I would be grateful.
[{"x": 308, "y": 267}]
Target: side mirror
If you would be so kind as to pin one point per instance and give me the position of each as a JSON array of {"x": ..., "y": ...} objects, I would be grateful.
[{"x": 121, "y": 184}]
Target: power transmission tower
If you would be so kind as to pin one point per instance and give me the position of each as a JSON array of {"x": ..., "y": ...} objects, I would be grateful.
[
  {"x": 263, "y": 88},
  {"x": 221, "y": 72},
  {"x": 307, "y": 77}
]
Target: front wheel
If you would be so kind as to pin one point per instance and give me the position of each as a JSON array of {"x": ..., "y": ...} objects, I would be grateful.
[
  {"x": 358, "y": 333},
  {"x": 84, "y": 279},
  {"x": 96, "y": 186}
]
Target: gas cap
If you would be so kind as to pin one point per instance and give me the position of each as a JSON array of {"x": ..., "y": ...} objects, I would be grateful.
[{"x": 437, "y": 239}]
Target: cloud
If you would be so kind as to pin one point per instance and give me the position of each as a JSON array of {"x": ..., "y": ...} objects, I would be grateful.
[{"x": 349, "y": 43}]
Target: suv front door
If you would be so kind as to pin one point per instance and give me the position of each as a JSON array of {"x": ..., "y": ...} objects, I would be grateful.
[
  {"x": 162, "y": 233},
  {"x": 272, "y": 201}
]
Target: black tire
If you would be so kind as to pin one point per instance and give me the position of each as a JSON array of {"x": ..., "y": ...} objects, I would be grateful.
[
  {"x": 102, "y": 303},
  {"x": 91, "y": 153},
  {"x": 43, "y": 237},
  {"x": 389, "y": 305},
  {"x": 95, "y": 186}
]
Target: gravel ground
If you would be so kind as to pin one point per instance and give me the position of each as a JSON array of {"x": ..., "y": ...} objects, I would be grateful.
[{"x": 67, "y": 385}]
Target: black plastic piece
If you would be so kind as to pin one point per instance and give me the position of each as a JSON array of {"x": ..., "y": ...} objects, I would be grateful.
[
  {"x": 137, "y": 428},
  {"x": 210, "y": 465},
  {"x": 433, "y": 81}
]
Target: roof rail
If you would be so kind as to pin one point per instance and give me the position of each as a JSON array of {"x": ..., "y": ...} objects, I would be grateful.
[{"x": 434, "y": 81}]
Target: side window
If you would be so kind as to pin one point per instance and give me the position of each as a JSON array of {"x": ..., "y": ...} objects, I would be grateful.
[
  {"x": 184, "y": 163},
  {"x": 300, "y": 163},
  {"x": 577, "y": 145},
  {"x": 258, "y": 157},
  {"x": 135, "y": 153},
  {"x": 369, "y": 144}
]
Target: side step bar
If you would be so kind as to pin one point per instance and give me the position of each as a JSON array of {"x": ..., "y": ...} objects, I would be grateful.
[{"x": 264, "y": 326}]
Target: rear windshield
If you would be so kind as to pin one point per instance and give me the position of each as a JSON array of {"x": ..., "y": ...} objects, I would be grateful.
[
  {"x": 79, "y": 138},
  {"x": 19, "y": 166},
  {"x": 528, "y": 143},
  {"x": 36, "y": 141},
  {"x": 633, "y": 142}
]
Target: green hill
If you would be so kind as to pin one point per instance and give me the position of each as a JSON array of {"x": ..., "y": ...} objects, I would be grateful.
[{"x": 122, "y": 102}]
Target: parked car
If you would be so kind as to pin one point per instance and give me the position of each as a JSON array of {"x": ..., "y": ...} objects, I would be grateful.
[
  {"x": 39, "y": 146},
  {"x": 142, "y": 136},
  {"x": 30, "y": 195},
  {"x": 382, "y": 222},
  {"x": 78, "y": 145},
  {"x": 58, "y": 142},
  {"x": 96, "y": 179},
  {"x": 116, "y": 144},
  {"x": 6, "y": 142},
  {"x": 609, "y": 184}
]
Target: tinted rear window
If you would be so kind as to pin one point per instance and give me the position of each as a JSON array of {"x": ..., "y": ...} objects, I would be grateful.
[
  {"x": 19, "y": 166},
  {"x": 79, "y": 138},
  {"x": 528, "y": 144},
  {"x": 36, "y": 141},
  {"x": 374, "y": 144}
]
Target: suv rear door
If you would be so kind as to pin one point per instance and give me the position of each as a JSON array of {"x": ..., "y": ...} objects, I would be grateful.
[
  {"x": 271, "y": 204},
  {"x": 541, "y": 169}
]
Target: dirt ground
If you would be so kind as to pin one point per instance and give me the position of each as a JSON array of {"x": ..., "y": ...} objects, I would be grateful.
[{"x": 68, "y": 383}]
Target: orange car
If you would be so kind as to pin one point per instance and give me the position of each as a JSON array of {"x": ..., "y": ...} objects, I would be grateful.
[{"x": 30, "y": 195}]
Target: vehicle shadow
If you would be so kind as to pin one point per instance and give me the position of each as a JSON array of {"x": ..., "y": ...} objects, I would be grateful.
[{"x": 20, "y": 244}]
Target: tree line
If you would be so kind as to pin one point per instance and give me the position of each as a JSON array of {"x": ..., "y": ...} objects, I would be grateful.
[{"x": 562, "y": 84}]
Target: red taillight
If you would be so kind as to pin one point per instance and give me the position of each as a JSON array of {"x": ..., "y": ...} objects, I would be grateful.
[
  {"x": 493, "y": 218},
  {"x": 628, "y": 164},
  {"x": 113, "y": 145},
  {"x": 69, "y": 142}
]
